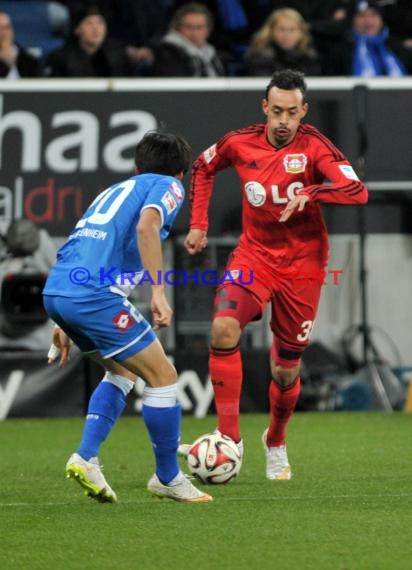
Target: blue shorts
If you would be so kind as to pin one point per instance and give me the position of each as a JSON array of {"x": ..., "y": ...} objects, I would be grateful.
[{"x": 108, "y": 324}]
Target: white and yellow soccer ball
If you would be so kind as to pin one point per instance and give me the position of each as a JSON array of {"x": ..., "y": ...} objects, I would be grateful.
[{"x": 214, "y": 459}]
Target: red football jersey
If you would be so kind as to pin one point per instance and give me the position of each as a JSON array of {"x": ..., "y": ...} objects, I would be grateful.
[{"x": 270, "y": 178}]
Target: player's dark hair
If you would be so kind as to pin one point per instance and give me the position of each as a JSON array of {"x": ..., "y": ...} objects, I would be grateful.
[
  {"x": 163, "y": 153},
  {"x": 288, "y": 79}
]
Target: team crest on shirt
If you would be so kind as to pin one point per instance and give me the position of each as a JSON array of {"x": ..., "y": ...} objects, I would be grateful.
[
  {"x": 177, "y": 191},
  {"x": 210, "y": 153},
  {"x": 295, "y": 163},
  {"x": 169, "y": 202}
]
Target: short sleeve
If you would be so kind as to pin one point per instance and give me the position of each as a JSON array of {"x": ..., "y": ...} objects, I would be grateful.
[{"x": 167, "y": 197}]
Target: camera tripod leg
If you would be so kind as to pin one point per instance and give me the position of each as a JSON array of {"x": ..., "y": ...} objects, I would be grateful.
[{"x": 376, "y": 379}]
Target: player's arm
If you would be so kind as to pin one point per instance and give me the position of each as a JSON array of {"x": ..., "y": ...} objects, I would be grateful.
[
  {"x": 205, "y": 167},
  {"x": 343, "y": 186},
  {"x": 150, "y": 249}
]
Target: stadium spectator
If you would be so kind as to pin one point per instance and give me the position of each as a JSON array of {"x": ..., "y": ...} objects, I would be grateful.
[
  {"x": 231, "y": 29},
  {"x": 139, "y": 23},
  {"x": 282, "y": 165},
  {"x": 368, "y": 49},
  {"x": 136, "y": 23},
  {"x": 184, "y": 51},
  {"x": 283, "y": 42},
  {"x": 123, "y": 229},
  {"x": 89, "y": 52},
  {"x": 39, "y": 25},
  {"x": 327, "y": 19},
  {"x": 106, "y": 7},
  {"x": 397, "y": 15},
  {"x": 15, "y": 61}
]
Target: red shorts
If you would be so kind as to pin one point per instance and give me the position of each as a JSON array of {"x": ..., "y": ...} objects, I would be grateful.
[{"x": 294, "y": 296}]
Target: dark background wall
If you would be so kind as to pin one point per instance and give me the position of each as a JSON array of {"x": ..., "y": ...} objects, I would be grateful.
[{"x": 59, "y": 148}]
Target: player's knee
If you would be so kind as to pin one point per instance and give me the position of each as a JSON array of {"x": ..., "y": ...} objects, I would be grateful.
[
  {"x": 165, "y": 374},
  {"x": 170, "y": 373},
  {"x": 226, "y": 332},
  {"x": 282, "y": 375}
]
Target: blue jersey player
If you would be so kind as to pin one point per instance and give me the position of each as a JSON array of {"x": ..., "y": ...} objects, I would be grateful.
[{"x": 117, "y": 239}]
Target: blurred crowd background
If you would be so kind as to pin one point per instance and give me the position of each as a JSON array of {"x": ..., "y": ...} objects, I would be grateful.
[{"x": 214, "y": 38}]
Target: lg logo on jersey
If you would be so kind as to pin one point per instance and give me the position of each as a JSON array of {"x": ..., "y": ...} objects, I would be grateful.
[{"x": 256, "y": 193}]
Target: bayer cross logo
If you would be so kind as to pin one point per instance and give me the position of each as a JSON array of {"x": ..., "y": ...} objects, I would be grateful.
[
  {"x": 295, "y": 163},
  {"x": 123, "y": 321}
]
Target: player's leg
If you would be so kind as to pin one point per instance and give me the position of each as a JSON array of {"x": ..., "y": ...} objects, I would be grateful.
[
  {"x": 103, "y": 329},
  {"x": 293, "y": 314},
  {"x": 161, "y": 413},
  {"x": 234, "y": 308},
  {"x": 237, "y": 302},
  {"x": 128, "y": 347},
  {"x": 284, "y": 392},
  {"x": 128, "y": 341},
  {"x": 106, "y": 403},
  {"x": 105, "y": 406},
  {"x": 162, "y": 416},
  {"x": 225, "y": 366},
  {"x": 108, "y": 400}
]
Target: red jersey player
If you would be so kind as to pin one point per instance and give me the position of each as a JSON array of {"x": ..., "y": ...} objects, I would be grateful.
[{"x": 282, "y": 166}]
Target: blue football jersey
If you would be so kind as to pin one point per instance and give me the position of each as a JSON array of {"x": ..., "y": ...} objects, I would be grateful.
[{"x": 101, "y": 253}]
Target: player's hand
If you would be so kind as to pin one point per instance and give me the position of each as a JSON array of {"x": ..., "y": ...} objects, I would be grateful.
[
  {"x": 296, "y": 205},
  {"x": 162, "y": 312},
  {"x": 196, "y": 241},
  {"x": 61, "y": 346}
]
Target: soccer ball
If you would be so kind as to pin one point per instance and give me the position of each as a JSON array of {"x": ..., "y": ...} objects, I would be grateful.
[{"x": 214, "y": 458}]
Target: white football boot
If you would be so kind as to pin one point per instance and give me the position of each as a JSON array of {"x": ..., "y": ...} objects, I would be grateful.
[
  {"x": 182, "y": 490},
  {"x": 89, "y": 475},
  {"x": 277, "y": 464},
  {"x": 184, "y": 448}
]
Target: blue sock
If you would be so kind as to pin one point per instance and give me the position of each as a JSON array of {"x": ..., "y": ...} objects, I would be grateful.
[
  {"x": 163, "y": 425},
  {"x": 105, "y": 406}
]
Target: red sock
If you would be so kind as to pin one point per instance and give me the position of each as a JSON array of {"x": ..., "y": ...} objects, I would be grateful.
[
  {"x": 225, "y": 367},
  {"x": 282, "y": 404}
]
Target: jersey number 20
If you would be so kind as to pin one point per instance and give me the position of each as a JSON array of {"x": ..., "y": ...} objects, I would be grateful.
[{"x": 110, "y": 201}]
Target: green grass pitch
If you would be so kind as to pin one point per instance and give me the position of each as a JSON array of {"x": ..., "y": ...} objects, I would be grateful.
[{"x": 348, "y": 506}]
